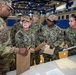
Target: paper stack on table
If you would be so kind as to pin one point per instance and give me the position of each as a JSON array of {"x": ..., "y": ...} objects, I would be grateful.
[{"x": 66, "y": 63}]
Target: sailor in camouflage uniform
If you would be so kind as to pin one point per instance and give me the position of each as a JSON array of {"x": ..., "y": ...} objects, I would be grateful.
[
  {"x": 70, "y": 35},
  {"x": 35, "y": 22},
  {"x": 17, "y": 26},
  {"x": 52, "y": 35},
  {"x": 25, "y": 38},
  {"x": 5, "y": 48},
  {"x": 36, "y": 26}
]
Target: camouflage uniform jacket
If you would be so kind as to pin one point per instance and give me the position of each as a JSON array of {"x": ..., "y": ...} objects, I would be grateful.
[
  {"x": 4, "y": 35},
  {"x": 35, "y": 27},
  {"x": 25, "y": 39},
  {"x": 5, "y": 47},
  {"x": 54, "y": 35},
  {"x": 70, "y": 36},
  {"x": 17, "y": 26}
]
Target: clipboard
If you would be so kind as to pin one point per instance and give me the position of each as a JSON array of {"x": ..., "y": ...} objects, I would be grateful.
[
  {"x": 40, "y": 46},
  {"x": 47, "y": 50}
]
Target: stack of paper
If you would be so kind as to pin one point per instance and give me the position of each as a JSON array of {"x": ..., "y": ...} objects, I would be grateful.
[
  {"x": 47, "y": 50},
  {"x": 66, "y": 63}
]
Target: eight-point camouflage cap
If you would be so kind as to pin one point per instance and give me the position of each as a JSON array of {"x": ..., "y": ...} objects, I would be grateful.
[
  {"x": 9, "y": 4},
  {"x": 52, "y": 17},
  {"x": 26, "y": 18},
  {"x": 35, "y": 13}
]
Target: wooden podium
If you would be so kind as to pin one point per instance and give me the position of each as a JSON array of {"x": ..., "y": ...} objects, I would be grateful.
[{"x": 22, "y": 63}]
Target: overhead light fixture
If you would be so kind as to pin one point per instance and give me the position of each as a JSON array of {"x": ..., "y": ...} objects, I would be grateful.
[
  {"x": 61, "y": 7},
  {"x": 57, "y": 3}
]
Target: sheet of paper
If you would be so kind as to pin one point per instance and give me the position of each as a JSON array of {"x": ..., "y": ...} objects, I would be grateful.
[
  {"x": 70, "y": 64},
  {"x": 61, "y": 65},
  {"x": 66, "y": 63},
  {"x": 47, "y": 50},
  {"x": 55, "y": 72},
  {"x": 69, "y": 48},
  {"x": 37, "y": 74}
]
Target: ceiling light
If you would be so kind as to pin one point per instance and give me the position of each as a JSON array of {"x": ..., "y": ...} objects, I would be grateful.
[{"x": 57, "y": 3}]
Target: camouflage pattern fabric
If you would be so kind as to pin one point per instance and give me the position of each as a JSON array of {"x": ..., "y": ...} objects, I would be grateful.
[
  {"x": 70, "y": 39},
  {"x": 17, "y": 26},
  {"x": 5, "y": 46},
  {"x": 53, "y": 36},
  {"x": 35, "y": 56},
  {"x": 35, "y": 28},
  {"x": 24, "y": 39}
]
